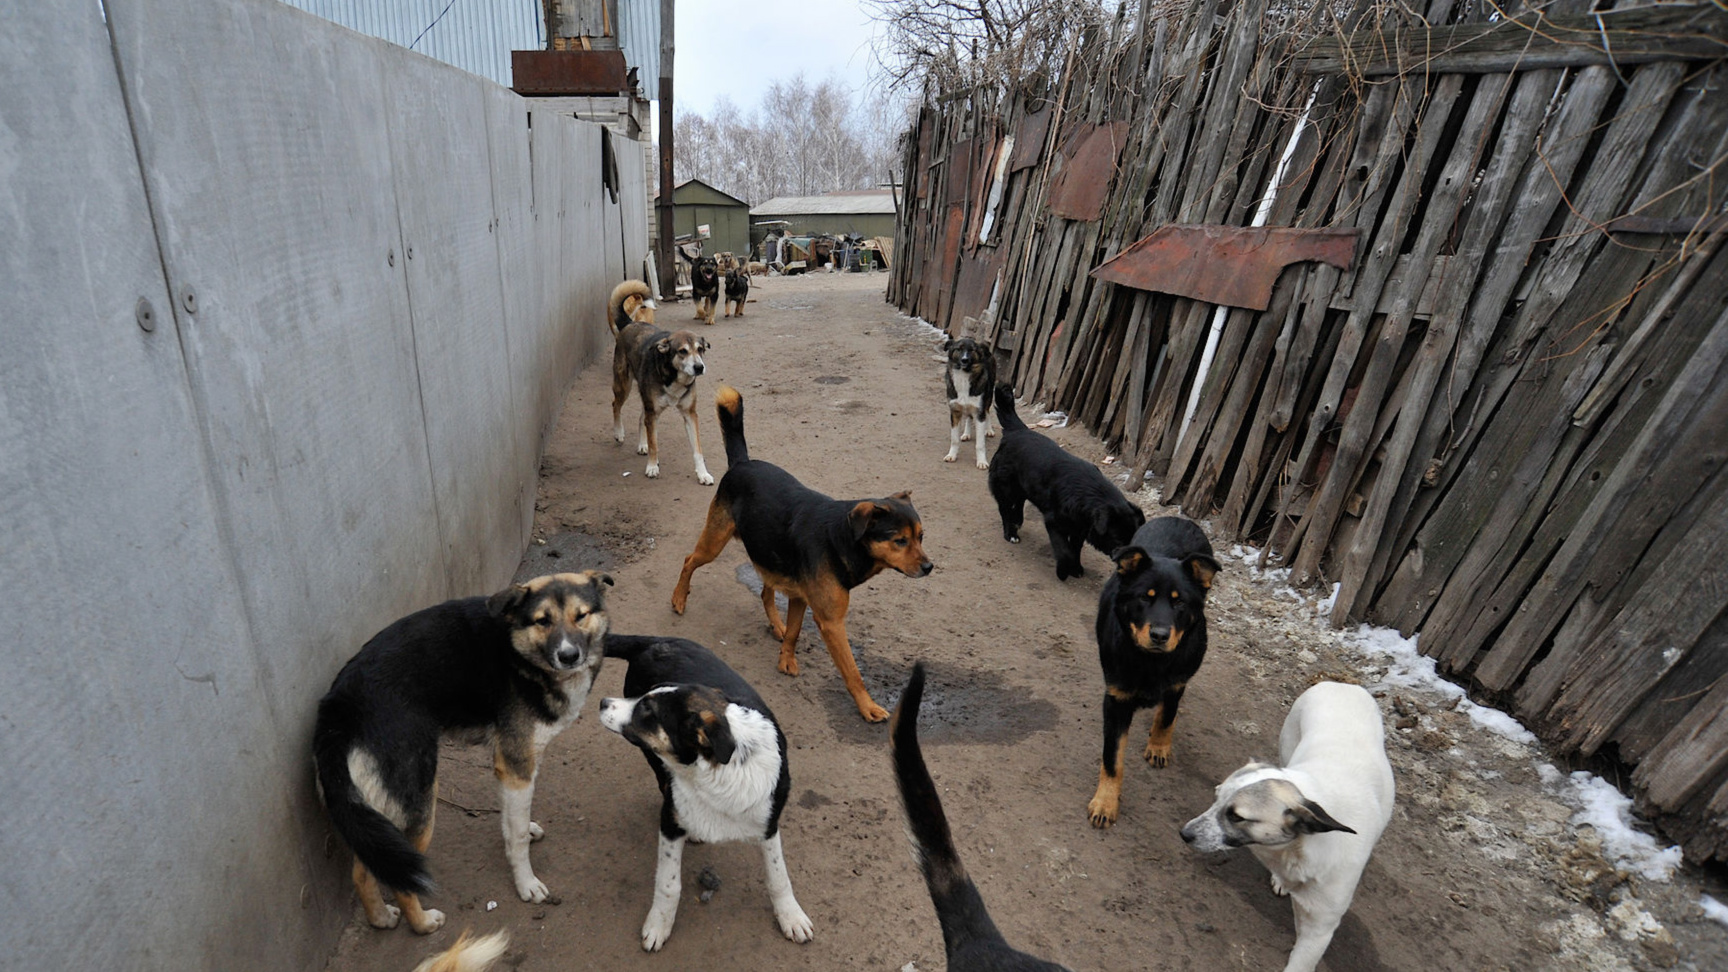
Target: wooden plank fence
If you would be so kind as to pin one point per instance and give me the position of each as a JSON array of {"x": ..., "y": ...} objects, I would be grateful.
[{"x": 1504, "y": 426}]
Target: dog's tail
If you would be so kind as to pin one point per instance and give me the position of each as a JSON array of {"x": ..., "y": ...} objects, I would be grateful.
[
  {"x": 627, "y": 298},
  {"x": 1005, "y": 414},
  {"x": 377, "y": 842},
  {"x": 625, "y": 648},
  {"x": 469, "y": 954},
  {"x": 958, "y": 905},
  {"x": 729, "y": 405}
]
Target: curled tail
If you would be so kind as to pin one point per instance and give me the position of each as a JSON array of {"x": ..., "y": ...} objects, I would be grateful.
[
  {"x": 469, "y": 954},
  {"x": 378, "y": 843},
  {"x": 729, "y": 405},
  {"x": 1005, "y": 414},
  {"x": 958, "y": 904},
  {"x": 628, "y": 298}
]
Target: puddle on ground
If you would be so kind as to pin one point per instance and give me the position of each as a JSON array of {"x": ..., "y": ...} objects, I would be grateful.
[{"x": 566, "y": 552}]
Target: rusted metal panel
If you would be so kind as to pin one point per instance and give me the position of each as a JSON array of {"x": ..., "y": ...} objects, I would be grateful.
[
  {"x": 977, "y": 280},
  {"x": 1233, "y": 265},
  {"x": 569, "y": 72},
  {"x": 926, "y": 134},
  {"x": 1029, "y": 138},
  {"x": 1081, "y": 188},
  {"x": 960, "y": 162},
  {"x": 951, "y": 237}
]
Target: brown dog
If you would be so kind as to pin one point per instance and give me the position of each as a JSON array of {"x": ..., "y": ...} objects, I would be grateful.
[
  {"x": 813, "y": 548},
  {"x": 664, "y": 366}
]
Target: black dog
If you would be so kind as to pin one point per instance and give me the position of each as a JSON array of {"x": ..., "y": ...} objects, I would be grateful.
[
  {"x": 969, "y": 936},
  {"x": 515, "y": 666},
  {"x": 1079, "y": 504},
  {"x": 705, "y": 287},
  {"x": 1151, "y": 641},
  {"x": 720, "y": 760},
  {"x": 737, "y": 291},
  {"x": 971, "y": 379}
]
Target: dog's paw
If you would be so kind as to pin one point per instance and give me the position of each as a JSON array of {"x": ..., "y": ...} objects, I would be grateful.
[
  {"x": 1013, "y": 539},
  {"x": 535, "y": 831},
  {"x": 705, "y": 477},
  {"x": 391, "y": 917},
  {"x": 1278, "y": 887},
  {"x": 680, "y": 597},
  {"x": 966, "y": 437},
  {"x": 532, "y": 890},
  {"x": 653, "y": 470},
  {"x": 983, "y": 464},
  {"x": 950, "y": 457},
  {"x": 1158, "y": 756},
  {"x": 431, "y": 920},
  {"x": 991, "y": 434},
  {"x": 1101, "y": 811},
  {"x": 618, "y": 436},
  {"x": 656, "y": 930},
  {"x": 788, "y": 664},
  {"x": 795, "y": 924},
  {"x": 641, "y": 448},
  {"x": 873, "y": 712}
]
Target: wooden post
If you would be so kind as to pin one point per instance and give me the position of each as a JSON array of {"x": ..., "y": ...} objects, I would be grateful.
[{"x": 668, "y": 268}]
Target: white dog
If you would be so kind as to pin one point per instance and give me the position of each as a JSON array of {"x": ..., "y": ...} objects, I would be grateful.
[{"x": 1314, "y": 822}]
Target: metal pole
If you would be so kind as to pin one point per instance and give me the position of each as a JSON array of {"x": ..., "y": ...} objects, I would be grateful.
[{"x": 668, "y": 269}]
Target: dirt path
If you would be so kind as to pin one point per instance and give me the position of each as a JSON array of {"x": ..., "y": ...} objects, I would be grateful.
[{"x": 1479, "y": 869}]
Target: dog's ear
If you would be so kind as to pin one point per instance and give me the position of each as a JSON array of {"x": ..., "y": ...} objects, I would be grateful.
[
  {"x": 861, "y": 515},
  {"x": 506, "y": 600},
  {"x": 985, "y": 349},
  {"x": 715, "y": 737},
  {"x": 948, "y": 345},
  {"x": 1202, "y": 567},
  {"x": 702, "y": 345},
  {"x": 904, "y": 495},
  {"x": 600, "y": 576},
  {"x": 1128, "y": 560},
  {"x": 664, "y": 345},
  {"x": 1311, "y": 818},
  {"x": 1101, "y": 521}
]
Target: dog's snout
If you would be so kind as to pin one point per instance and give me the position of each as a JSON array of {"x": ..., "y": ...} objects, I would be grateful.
[
  {"x": 925, "y": 568},
  {"x": 568, "y": 655},
  {"x": 1160, "y": 633},
  {"x": 1188, "y": 834},
  {"x": 698, "y": 368}
]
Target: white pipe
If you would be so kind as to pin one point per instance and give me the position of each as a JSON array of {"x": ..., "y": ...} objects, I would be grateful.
[{"x": 1223, "y": 312}]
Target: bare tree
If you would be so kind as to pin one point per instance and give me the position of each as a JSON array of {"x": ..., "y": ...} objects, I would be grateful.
[{"x": 955, "y": 45}]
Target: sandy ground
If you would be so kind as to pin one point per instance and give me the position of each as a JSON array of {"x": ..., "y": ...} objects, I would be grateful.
[{"x": 1480, "y": 868}]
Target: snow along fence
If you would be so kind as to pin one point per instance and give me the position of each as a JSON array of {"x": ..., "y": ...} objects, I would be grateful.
[{"x": 291, "y": 312}]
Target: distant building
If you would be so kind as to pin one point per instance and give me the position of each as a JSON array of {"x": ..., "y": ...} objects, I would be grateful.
[
  {"x": 867, "y": 212},
  {"x": 696, "y": 203}
]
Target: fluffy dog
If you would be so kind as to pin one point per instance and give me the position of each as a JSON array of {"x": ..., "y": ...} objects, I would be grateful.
[
  {"x": 970, "y": 379},
  {"x": 737, "y": 291},
  {"x": 514, "y": 667},
  {"x": 968, "y": 935},
  {"x": 664, "y": 366},
  {"x": 469, "y": 954},
  {"x": 705, "y": 287},
  {"x": 631, "y": 301},
  {"x": 720, "y": 760},
  {"x": 814, "y": 548},
  {"x": 1079, "y": 505},
  {"x": 1315, "y": 821},
  {"x": 1151, "y": 640}
]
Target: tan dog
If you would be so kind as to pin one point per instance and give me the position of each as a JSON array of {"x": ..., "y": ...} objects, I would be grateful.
[{"x": 664, "y": 366}]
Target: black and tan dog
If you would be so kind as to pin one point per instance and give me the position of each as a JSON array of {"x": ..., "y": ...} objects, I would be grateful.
[
  {"x": 514, "y": 668},
  {"x": 720, "y": 760},
  {"x": 1151, "y": 641},
  {"x": 1079, "y": 505},
  {"x": 737, "y": 291},
  {"x": 968, "y": 935},
  {"x": 664, "y": 366},
  {"x": 971, "y": 382},
  {"x": 813, "y": 548},
  {"x": 705, "y": 287}
]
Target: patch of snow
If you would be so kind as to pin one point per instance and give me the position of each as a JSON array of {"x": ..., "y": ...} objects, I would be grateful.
[
  {"x": 1610, "y": 812},
  {"x": 930, "y": 330},
  {"x": 1714, "y": 910},
  {"x": 1410, "y": 668},
  {"x": 1331, "y": 601}
]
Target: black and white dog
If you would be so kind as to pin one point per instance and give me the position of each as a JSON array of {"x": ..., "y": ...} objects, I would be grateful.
[
  {"x": 970, "y": 377},
  {"x": 720, "y": 759}
]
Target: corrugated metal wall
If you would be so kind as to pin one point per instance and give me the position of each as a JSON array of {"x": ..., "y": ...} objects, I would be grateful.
[{"x": 478, "y": 35}]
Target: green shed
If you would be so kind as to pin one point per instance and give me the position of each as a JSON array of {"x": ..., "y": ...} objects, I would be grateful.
[
  {"x": 696, "y": 203},
  {"x": 867, "y": 212}
]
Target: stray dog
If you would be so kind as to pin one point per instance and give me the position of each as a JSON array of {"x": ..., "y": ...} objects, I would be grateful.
[
  {"x": 1079, "y": 505},
  {"x": 737, "y": 291},
  {"x": 970, "y": 379},
  {"x": 1314, "y": 822},
  {"x": 469, "y": 954},
  {"x": 631, "y": 301},
  {"x": 664, "y": 366},
  {"x": 969, "y": 936},
  {"x": 756, "y": 268},
  {"x": 1151, "y": 641},
  {"x": 814, "y": 548},
  {"x": 720, "y": 759},
  {"x": 513, "y": 668},
  {"x": 705, "y": 287}
]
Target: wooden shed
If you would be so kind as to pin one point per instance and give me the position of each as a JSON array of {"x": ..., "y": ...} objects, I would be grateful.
[
  {"x": 696, "y": 203},
  {"x": 867, "y": 212}
]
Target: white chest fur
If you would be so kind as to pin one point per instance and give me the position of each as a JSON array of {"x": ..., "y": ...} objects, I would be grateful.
[
  {"x": 963, "y": 393},
  {"x": 718, "y": 802}
]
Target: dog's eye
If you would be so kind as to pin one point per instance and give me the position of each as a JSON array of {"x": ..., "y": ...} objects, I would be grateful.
[
  {"x": 544, "y": 621},
  {"x": 1231, "y": 815},
  {"x": 900, "y": 541},
  {"x": 1175, "y": 595}
]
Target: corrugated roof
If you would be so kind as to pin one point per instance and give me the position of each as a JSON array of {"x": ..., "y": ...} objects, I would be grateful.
[{"x": 829, "y": 204}]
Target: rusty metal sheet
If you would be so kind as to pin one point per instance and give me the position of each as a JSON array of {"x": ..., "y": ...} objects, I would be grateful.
[
  {"x": 1233, "y": 265},
  {"x": 951, "y": 237},
  {"x": 568, "y": 72},
  {"x": 926, "y": 134},
  {"x": 1082, "y": 187},
  {"x": 960, "y": 159},
  {"x": 977, "y": 279},
  {"x": 1029, "y": 138}
]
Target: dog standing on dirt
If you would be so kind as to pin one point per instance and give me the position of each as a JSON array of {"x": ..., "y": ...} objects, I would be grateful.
[
  {"x": 720, "y": 760},
  {"x": 971, "y": 381},
  {"x": 705, "y": 287},
  {"x": 664, "y": 366},
  {"x": 814, "y": 548},
  {"x": 1315, "y": 821},
  {"x": 969, "y": 936},
  {"x": 514, "y": 668},
  {"x": 1151, "y": 640},
  {"x": 1079, "y": 505},
  {"x": 737, "y": 291}
]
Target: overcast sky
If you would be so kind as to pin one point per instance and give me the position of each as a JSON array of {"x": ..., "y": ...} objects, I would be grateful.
[{"x": 737, "y": 49}]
